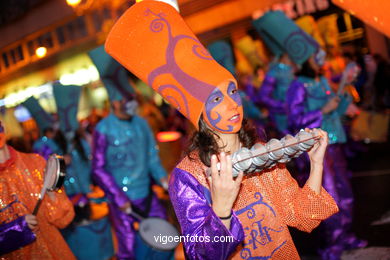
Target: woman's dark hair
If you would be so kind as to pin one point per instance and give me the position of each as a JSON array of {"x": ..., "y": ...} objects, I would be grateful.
[
  {"x": 60, "y": 139},
  {"x": 204, "y": 141},
  {"x": 306, "y": 70}
]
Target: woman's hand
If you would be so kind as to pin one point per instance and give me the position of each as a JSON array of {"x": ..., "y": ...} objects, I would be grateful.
[
  {"x": 224, "y": 189},
  {"x": 32, "y": 222},
  {"x": 317, "y": 152},
  {"x": 316, "y": 155},
  {"x": 332, "y": 104}
]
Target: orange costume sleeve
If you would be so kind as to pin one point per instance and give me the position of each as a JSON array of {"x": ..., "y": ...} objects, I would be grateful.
[
  {"x": 301, "y": 208},
  {"x": 268, "y": 203},
  {"x": 21, "y": 182}
]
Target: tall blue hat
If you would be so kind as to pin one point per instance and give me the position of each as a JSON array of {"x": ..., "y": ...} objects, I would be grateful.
[
  {"x": 272, "y": 45},
  {"x": 222, "y": 52},
  {"x": 280, "y": 32},
  {"x": 67, "y": 101},
  {"x": 113, "y": 75},
  {"x": 41, "y": 117}
]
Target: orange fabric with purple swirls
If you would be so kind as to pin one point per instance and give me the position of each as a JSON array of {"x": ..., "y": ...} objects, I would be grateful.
[{"x": 152, "y": 41}]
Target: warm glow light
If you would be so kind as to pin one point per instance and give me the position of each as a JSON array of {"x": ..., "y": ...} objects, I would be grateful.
[
  {"x": 73, "y": 2},
  {"x": 41, "y": 52},
  {"x": 171, "y": 2},
  {"x": 16, "y": 98},
  {"x": 80, "y": 77},
  {"x": 169, "y": 136}
]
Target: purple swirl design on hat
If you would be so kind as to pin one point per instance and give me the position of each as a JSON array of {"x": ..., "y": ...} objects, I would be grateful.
[
  {"x": 196, "y": 88},
  {"x": 201, "y": 52},
  {"x": 297, "y": 46},
  {"x": 1, "y": 127},
  {"x": 172, "y": 99}
]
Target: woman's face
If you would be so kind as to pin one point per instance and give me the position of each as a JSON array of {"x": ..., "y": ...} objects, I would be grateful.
[
  {"x": 223, "y": 110},
  {"x": 314, "y": 64}
]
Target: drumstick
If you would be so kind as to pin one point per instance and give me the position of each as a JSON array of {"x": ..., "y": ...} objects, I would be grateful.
[
  {"x": 129, "y": 211},
  {"x": 39, "y": 202}
]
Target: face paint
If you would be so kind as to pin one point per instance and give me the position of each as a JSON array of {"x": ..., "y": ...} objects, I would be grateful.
[
  {"x": 319, "y": 57},
  {"x": 130, "y": 107},
  {"x": 2, "y": 136},
  {"x": 223, "y": 110}
]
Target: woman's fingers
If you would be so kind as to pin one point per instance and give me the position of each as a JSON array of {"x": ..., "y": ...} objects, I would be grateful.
[
  {"x": 239, "y": 179},
  {"x": 214, "y": 169},
  {"x": 226, "y": 168}
]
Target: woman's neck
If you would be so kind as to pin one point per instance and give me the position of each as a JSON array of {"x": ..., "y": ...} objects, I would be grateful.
[
  {"x": 4, "y": 154},
  {"x": 229, "y": 142}
]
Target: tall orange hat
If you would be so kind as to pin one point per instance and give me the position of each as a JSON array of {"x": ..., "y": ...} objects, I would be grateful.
[{"x": 152, "y": 41}]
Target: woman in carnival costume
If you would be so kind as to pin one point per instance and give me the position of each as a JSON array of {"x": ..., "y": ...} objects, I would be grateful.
[
  {"x": 273, "y": 90},
  {"x": 153, "y": 42},
  {"x": 126, "y": 161}
]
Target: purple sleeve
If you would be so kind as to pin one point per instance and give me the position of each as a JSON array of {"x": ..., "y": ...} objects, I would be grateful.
[
  {"x": 265, "y": 96},
  {"x": 45, "y": 151},
  {"x": 251, "y": 92},
  {"x": 298, "y": 118},
  {"x": 103, "y": 178},
  {"x": 197, "y": 219},
  {"x": 14, "y": 235}
]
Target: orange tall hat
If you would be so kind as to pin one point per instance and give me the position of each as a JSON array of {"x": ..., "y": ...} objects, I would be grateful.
[{"x": 152, "y": 41}]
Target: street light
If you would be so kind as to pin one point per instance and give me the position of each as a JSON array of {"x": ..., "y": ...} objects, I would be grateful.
[{"x": 41, "y": 52}]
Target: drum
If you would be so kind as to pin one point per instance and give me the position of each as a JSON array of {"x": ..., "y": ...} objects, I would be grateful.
[
  {"x": 155, "y": 239},
  {"x": 55, "y": 172},
  {"x": 54, "y": 177}
]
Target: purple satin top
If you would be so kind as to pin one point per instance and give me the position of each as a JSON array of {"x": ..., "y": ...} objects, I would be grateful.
[
  {"x": 298, "y": 116},
  {"x": 192, "y": 203},
  {"x": 14, "y": 235}
]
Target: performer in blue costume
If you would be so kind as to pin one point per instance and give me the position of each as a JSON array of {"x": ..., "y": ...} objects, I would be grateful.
[
  {"x": 88, "y": 238},
  {"x": 125, "y": 159},
  {"x": 45, "y": 145},
  {"x": 273, "y": 90},
  {"x": 312, "y": 104}
]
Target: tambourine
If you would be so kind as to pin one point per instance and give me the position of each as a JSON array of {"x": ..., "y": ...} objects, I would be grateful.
[
  {"x": 54, "y": 176},
  {"x": 151, "y": 228},
  {"x": 264, "y": 156}
]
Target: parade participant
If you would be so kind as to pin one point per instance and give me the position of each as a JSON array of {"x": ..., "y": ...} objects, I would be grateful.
[
  {"x": 311, "y": 104},
  {"x": 88, "y": 238},
  {"x": 125, "y": 157},
  {"x": 259, "y": 211},
  {"x": 272, "y": 93},
  {"x": 23, "y": 235},
  {"x": 45, "y": 145}
]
